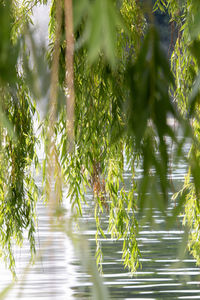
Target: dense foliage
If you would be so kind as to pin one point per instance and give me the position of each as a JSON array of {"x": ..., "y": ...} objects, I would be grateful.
[{"x": 120, "y": 95}]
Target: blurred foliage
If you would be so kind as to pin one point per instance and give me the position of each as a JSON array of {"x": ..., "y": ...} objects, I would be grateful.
[
  {"x": 8, "y": 51},
  {"x": 125, "y": 93},
  {"x": 18, "y": 192},
  {"x": 185, "y": 67},
  {"x": 148, "y": 108}
]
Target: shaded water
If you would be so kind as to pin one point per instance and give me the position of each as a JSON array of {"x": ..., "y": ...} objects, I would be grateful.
[{"x": 58, "y": 274}]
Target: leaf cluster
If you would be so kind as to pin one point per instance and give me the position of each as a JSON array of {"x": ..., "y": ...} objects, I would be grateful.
[{"x": 125, "y": 94}]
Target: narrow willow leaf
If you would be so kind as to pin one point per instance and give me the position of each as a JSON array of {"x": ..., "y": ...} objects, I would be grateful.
[
  {"x": 102, "y": 29},
  {"x": 80, "y": 8},
  {"x": 195, "y": 95},
  {"x": 4, "y": 293},
  {"x": 4, "y": 121}
]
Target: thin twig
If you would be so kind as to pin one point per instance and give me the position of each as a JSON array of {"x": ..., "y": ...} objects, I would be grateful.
[
  {"x": 171, "y": 39},
  {"x": 69, "y": 59},
  {"x": 25, "y": 13},
  {"x": 53, "y": 104}
]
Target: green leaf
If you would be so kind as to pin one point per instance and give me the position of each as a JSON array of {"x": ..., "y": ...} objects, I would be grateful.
[
  {"x": 8, "y": 51},
  {"x": 102, "y": 29},
  {"x": 4, "y": 121},
  {"x": 80, "y": 9},
  {"x": 194, "y": 95}
]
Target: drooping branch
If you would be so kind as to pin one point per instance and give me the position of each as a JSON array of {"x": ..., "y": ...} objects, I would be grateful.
[
  {"x": 55, "y": 66},
  {"x": 69, "y": 59},
  {"x": 52, "y": 159},
  {"x": 25, "y": 13}
]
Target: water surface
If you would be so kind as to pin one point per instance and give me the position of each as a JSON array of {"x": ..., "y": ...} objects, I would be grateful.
[{"x": 58, "y": 274}]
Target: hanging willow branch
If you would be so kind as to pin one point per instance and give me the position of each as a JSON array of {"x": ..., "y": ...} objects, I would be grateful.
[
  {"x": 69, "y": 77},
  {"x": 53, "y": 105}
]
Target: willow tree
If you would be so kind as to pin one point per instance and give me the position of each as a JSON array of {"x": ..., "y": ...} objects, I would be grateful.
[{"x": 111, "y": 89}]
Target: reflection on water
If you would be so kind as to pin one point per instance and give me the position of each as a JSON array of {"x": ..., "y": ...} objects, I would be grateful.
[
  {"x": 163, "y": 275},
  {"x": 57, "y": 273}
]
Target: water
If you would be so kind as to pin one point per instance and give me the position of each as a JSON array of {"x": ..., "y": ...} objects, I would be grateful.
[{"x": 58, "y": 274}]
